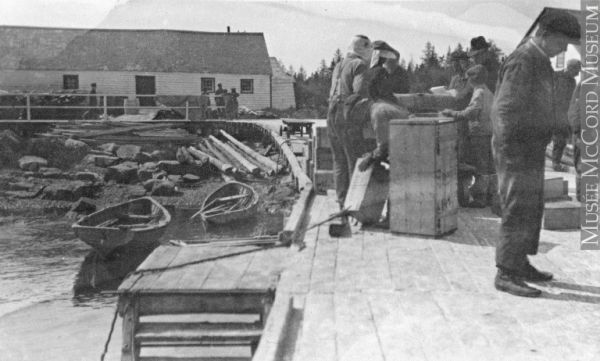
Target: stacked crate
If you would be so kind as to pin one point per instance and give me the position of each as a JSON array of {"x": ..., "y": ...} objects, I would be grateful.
[
  {"x": 322, "y": 161},
  {"x": 423, "y": 176}
]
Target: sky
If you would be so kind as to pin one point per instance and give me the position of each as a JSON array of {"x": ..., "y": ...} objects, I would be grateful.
[{"x": 301, "y": 33}]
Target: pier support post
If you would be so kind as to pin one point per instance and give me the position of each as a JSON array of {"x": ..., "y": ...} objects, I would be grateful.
[{"x": 130, "y": 350}]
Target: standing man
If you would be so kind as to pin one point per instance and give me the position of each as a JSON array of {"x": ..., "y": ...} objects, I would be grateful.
[
  {"x": 220, "y": 100},
  {"x": 345, "y": 136},
  {"x": 481, "y": 53},
  {"x": 564, "y": 85},
  {"x": 523, "y": 120}
]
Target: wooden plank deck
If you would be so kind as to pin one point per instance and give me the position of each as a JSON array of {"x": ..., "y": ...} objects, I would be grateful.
[{"x": 383, "y": 296}]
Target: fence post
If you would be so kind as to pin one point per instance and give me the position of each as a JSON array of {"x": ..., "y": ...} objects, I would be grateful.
[
  {"x": 105, "y": 108},
  {"x": 187, "y": 110},
  {"x": 28, "y": 103}
]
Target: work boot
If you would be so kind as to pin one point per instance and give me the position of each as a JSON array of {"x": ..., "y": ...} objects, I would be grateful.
[
  {"x": 534, "y": 275},
  {"x": 513, "y": 284}
]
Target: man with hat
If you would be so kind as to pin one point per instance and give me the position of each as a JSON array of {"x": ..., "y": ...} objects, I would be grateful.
[
  {"x": 344, "y": 132},
  {"x": 564, "y": 85},
  {"x": 480, "y": 53},
  {"x": 523, "y": 121}
]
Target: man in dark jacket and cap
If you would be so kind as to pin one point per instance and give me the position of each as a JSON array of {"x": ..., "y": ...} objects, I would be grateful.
[
  {"x": 523, "y": 121},
  {"x": 481, "y": 53}
]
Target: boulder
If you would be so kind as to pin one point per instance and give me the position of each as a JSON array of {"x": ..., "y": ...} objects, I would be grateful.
[
  {"x": 171, "y": 167},
  {"x": 164, "y": 188},
  {"x": 76, "y": 144},
  {"x": 135, "y": 191},
  {"x": 32, "y": 163},
  {"x": 174, "y": 178},
  {"x": 87, "y": 176},
  {"x": 161, "y": 174},
  {"x": 105, "y": 161},
  {"x": 146, "y": 171},
  {"x": 129, "y": 152},
  {"x": 190, "y": 178},
  {"x": 174, "y": 167},
  {"x": 68, "y": 191},
  {"x": 125, "y": 172},
  {"x": 144, "y": 157},
  {"x": 52, "y": 173},
  {"x": 84, "y": 205},
  {"x": 109, "y": 147}
]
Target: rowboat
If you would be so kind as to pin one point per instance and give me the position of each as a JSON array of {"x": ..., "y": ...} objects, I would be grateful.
[
  {"x": 137, "y": 223},
  {"x": 231, "y": 202}
]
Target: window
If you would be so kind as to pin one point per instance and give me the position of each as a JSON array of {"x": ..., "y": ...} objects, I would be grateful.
[
  {"x": 70, "y": 81},
  {"x": 207, "y": 84},
  {"x": 247, "y": 86}
]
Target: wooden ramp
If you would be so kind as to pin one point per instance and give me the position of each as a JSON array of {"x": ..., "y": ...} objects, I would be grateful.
[
  {"x": 380, "y": 296},
  {"x": 198, "y": 296}
]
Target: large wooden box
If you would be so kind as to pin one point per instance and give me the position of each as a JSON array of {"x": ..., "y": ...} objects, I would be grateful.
[
  {"x": 423, "y": 176},
  {"x": 423, "y": 103}
]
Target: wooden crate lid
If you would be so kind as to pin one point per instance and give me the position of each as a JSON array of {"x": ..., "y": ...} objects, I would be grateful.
[{"x": 423, "y": 119}]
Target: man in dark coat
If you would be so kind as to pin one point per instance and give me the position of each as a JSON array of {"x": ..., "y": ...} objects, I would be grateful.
[
  {"x": 344, "y": 133},
  {"x": 564, "y": 85},
  {"x": 523, "y": 121}
]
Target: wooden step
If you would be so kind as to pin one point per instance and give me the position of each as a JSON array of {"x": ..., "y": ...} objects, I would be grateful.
[{"x": 162, "y": 333}]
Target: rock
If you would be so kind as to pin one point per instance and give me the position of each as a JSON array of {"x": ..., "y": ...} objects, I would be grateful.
[
  {"x": 87, "y": 176},
  {"x": 76, "y": 144},
  {"x": 105, "y": 161},
  {"x": 109, "y": 147},
  {"x": 190, "y": 178},
  {"x": 149, "y": 184},
  {"x": 161, "y": 174},
  {"x": 174, "y": 178},
  {"x": 136, "y": 191},
  {"x": 174, "y": 167},
  {"x": 144, "y": 157},
  {"x": 164, "y": 188},
  {"x": 84, "y": 205},
  {"x": 125, "y": 172},
  {"x": 32, "y": 163},
  {"x": 52, "y": 173},
  {"x": 146, "y": 171},
  {"x": 68, "y": 191},
  {"x": 20, "y": 186},
  {"x": 183, "y": 156},
  {"x": 159, "y": 155},
  {"x": 129, "y": 151},
  {"x": 29, "y": 174}
]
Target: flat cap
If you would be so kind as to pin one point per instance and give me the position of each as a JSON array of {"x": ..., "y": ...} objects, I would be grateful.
[{"x": 561, "y": 21}]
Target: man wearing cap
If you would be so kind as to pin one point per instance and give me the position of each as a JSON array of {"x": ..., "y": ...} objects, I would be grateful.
[
  {"x": 480, "y": 53},
  {"x": 478, "y": 140},
  {"x": 345, "y": 135},
  {"x": 523, "y": 121},
  {"x": 564, "y": 85}
]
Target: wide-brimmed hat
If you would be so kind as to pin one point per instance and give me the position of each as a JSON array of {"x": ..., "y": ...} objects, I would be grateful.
[
  {"x": 561, "y": 21},
  {"x": 381, "y": 49},
  {"x": 478, "y": 45}
]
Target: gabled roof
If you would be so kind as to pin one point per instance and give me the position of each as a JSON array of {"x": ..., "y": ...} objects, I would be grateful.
[
  {"x": 32, "y": 48},
  {"x": 577, "y": 13},
  {"x": 279, "y": 71}
]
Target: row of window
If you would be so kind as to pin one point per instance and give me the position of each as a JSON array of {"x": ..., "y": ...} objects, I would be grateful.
[{"x": 206, "y": 84}]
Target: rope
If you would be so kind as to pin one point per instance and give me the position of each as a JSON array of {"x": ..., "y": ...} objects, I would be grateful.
[{"x": 112, "y": 328}]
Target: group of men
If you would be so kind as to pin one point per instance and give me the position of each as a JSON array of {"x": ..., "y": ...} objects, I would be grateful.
[{"x": 510, "y": 114}]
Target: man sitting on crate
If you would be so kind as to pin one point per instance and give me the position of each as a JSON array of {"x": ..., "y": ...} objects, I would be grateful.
[
  {"x": 523, "y": 121},
  {"x": 345, "y": 136},
  {"x": 478, "y": 147}
]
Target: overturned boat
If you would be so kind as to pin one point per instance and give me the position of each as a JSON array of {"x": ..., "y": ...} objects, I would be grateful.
[{"x": 229, "y": 203}]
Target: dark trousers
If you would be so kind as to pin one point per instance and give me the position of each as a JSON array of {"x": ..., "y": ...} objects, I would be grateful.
[
  {"x": 559, "y": 140},
  {"x": 347, "y": 145},
  {"x": 520, "y": 168}
]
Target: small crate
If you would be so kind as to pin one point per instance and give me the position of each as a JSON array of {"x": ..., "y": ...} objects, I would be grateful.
[
  {"x": 562, "y": 215},
  {"x": 423, "y": 176},
  {"x": 554, "y": 189},
  {"x": 323, "y": 180},
  {"x": 367, "y": 193}
]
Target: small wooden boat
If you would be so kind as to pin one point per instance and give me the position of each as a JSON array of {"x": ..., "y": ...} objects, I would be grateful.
[
  {"x": 137, "y": 223},
  {"x": 231, "y": 202}
]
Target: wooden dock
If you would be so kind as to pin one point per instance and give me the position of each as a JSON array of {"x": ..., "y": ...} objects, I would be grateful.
[{"x": 381, "y": 296}]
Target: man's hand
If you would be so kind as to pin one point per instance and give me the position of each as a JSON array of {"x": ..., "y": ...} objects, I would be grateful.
[{"x": 366, "y": 160}]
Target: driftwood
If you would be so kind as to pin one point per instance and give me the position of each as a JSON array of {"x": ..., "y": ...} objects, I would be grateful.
[
  {"x": 100, "y": 133},
  {"x": 223, "y": 167},
  {"x": 265, "y": 163},
  {"x": 223, "y": 157},
  {"x": 301, "y": 177},
  {"x": 237, "y": 156}
]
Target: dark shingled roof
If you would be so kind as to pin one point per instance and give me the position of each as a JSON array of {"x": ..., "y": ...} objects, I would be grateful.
[{"x": 32, "y": 48}]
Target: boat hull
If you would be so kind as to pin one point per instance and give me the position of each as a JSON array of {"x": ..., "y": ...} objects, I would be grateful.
[{"x": 231, "y": 189}]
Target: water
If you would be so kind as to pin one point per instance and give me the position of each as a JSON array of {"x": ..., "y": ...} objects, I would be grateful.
[{"x": 53, "y": 299}]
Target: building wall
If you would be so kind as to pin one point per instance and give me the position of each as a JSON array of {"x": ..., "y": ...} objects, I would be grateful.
[
  {"x": 123, "y": 83},
  {"x": 283, "y": 93}
]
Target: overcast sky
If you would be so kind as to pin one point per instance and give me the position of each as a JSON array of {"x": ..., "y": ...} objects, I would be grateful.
[{"x": 301, "y": 32}]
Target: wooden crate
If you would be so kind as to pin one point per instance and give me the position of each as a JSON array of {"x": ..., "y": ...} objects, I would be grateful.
[
  {"x": 423, "y": 176},
  {"x": 367, "y": 193},
  {"x": 562, "y": 215},
  {"x": 423, "y": 103},
  {"x": 554, "y": 189}
]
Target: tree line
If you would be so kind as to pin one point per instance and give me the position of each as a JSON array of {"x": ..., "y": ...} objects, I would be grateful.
[{"x": 433, "y": 69}]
